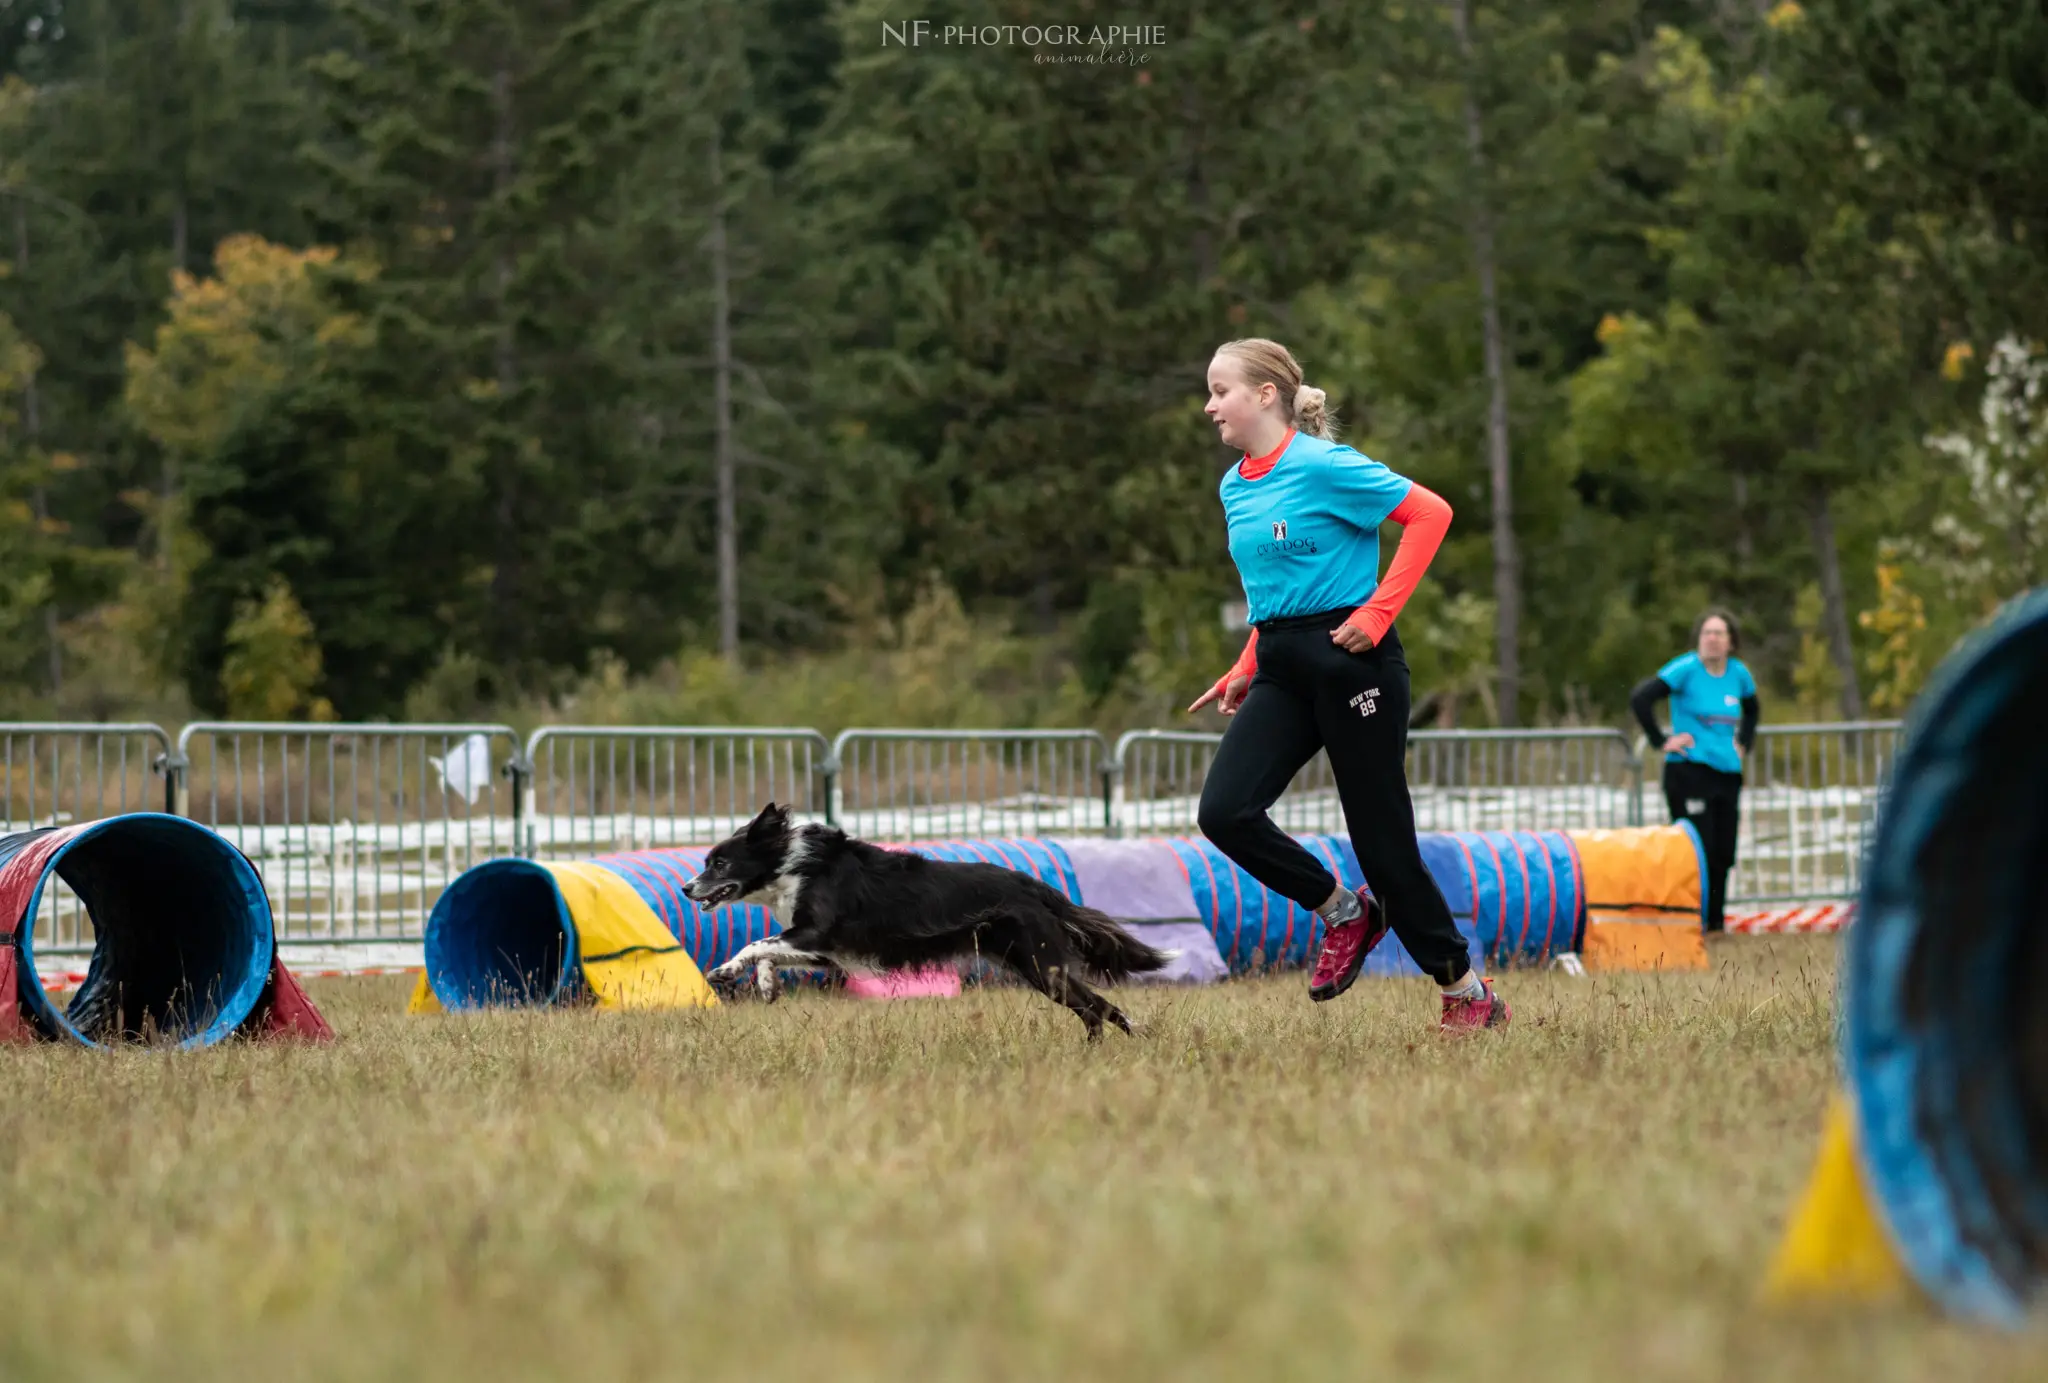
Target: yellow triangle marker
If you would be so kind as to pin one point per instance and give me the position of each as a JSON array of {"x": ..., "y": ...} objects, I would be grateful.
[
  {"x": 1836, "y": 1247},
  {"x": 423, "y": 999}
]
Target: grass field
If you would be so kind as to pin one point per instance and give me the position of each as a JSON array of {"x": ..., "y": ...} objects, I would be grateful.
[{"x": 1256, "y": 1188}]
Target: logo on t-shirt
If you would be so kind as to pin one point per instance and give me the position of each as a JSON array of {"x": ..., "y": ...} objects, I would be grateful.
[{"x": 1284, "y": 546}]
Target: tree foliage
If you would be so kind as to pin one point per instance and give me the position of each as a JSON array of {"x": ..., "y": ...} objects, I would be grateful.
[{"x": 365, "y": 354}]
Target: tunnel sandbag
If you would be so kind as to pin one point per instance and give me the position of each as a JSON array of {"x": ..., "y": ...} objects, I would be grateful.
[
  {"x": 1944, "y": 1031},
  {"x": 520, "y": 933},
  {"x": 1644, "y": 869},
  {"x": 1644, "y": 897},
  {"x": 184, "y": 948},
  {"x": 285, "y": 1010}
]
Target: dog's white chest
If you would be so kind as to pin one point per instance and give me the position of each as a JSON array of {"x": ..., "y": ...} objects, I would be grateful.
[{"x": 780, "y": 898}]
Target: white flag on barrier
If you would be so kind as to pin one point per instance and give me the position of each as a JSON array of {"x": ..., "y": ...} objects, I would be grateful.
[{"x": 467, "y": 769}]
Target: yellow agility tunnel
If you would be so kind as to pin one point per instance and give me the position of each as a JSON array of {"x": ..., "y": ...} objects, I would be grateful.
[
  {"x": 1933, "y": 1169},
  {"x": 527, "y": 932}
]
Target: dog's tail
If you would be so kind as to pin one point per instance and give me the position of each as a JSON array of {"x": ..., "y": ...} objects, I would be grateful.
[{"x": 1109, "y": 950}]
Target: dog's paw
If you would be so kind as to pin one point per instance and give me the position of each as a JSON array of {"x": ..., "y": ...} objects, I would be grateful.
[{"x": 768, "y": 980}]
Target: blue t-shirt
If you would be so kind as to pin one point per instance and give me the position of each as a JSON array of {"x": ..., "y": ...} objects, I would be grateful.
[
  {"x": 1708, "y": 708},
  {"x": 1306, "y": 535}
]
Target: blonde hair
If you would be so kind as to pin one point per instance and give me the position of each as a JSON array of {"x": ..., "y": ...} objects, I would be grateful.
[{"x": 1269, "y": 362}]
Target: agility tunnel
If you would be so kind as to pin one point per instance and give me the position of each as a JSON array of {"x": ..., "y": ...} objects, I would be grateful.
[
  {"x": 618, "y": 929},
  {"x": 184, "y": 949},
  {"x": 524, "y": 933},
  {"x": 1933, "y": 1168}
]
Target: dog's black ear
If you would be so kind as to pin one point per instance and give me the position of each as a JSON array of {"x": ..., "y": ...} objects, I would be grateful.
[{"x": 772, "y": 819}]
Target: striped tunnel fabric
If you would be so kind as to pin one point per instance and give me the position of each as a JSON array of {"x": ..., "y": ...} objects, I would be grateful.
[
  {"x": 1528, "y": 889},
  {"x": 1517, "y": 896}
]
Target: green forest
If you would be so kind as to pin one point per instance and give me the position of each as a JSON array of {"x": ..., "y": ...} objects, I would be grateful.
[{"x": 780, "y": 361}]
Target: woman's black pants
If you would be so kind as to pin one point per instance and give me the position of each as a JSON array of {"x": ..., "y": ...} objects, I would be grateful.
[{"x": 1711, "y": 801}]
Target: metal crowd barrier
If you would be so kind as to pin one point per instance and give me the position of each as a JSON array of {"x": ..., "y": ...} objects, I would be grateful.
[
  {"x": 356, "y": 829},
  {"x": 1810, "y": 796},
  {"x": 56, "y": 773},
  {"x": 918, "y": 784},
  {"x": 596, "y": 790},
  {"x": 1460, "y": 780}
]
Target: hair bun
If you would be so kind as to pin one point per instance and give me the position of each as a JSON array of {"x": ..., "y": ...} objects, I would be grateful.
[{"x": 1312, "y": 413}]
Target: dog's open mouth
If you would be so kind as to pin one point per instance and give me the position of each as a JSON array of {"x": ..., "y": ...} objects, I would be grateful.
[{"x": 713, "y": 896}]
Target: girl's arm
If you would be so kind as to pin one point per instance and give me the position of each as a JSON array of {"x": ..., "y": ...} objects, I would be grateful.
[
  {"x": 1424, "y": 517},
  {"x": 1247, "y": 662}
]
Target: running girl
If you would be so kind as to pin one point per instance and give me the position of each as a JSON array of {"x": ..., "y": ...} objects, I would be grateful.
[{"x": 1324, "y": 669}]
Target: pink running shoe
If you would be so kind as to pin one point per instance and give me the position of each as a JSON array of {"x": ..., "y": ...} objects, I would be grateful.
[
  {"x": 1470, "y": 1015},
  {"x": 1345, "y": 947}
]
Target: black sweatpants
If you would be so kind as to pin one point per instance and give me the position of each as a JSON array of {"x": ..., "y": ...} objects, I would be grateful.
[
  {"x": 1309, "y": 694},
  {"x": 1711, "y": 801}
]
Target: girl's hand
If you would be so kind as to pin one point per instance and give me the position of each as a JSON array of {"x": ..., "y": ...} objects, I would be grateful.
[
  {"x": 1351, "y": 638},
  {"x": 1674, "y": 743},
  {"x": 1228, "y": 694}
]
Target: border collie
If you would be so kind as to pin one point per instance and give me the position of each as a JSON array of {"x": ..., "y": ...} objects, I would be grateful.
[{"x": 863, "y": 908}]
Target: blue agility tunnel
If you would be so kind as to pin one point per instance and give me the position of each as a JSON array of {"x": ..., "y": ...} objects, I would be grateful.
[
  {"x": 1945, "y": 1025},
  {"x": 183, "y": 942},
  {"x": 1516, "y": 897}
]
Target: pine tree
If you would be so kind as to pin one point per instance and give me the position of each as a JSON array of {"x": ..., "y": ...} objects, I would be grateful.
[
  {"x": 1948, "y": 103},
  {"x": 712, "y": 331},
  {"x": 1785, "y": 349},
  {"x": 469, "y": 142},
  {"x": 1039, "y": 258},
  {"x": 157, "y": 128}
]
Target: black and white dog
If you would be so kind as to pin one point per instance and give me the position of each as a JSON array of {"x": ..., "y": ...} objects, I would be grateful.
[{"x": 864, "y": 908}]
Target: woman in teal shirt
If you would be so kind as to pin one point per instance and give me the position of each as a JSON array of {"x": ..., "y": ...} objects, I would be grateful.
[{"x": 1714, "y": 713}]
